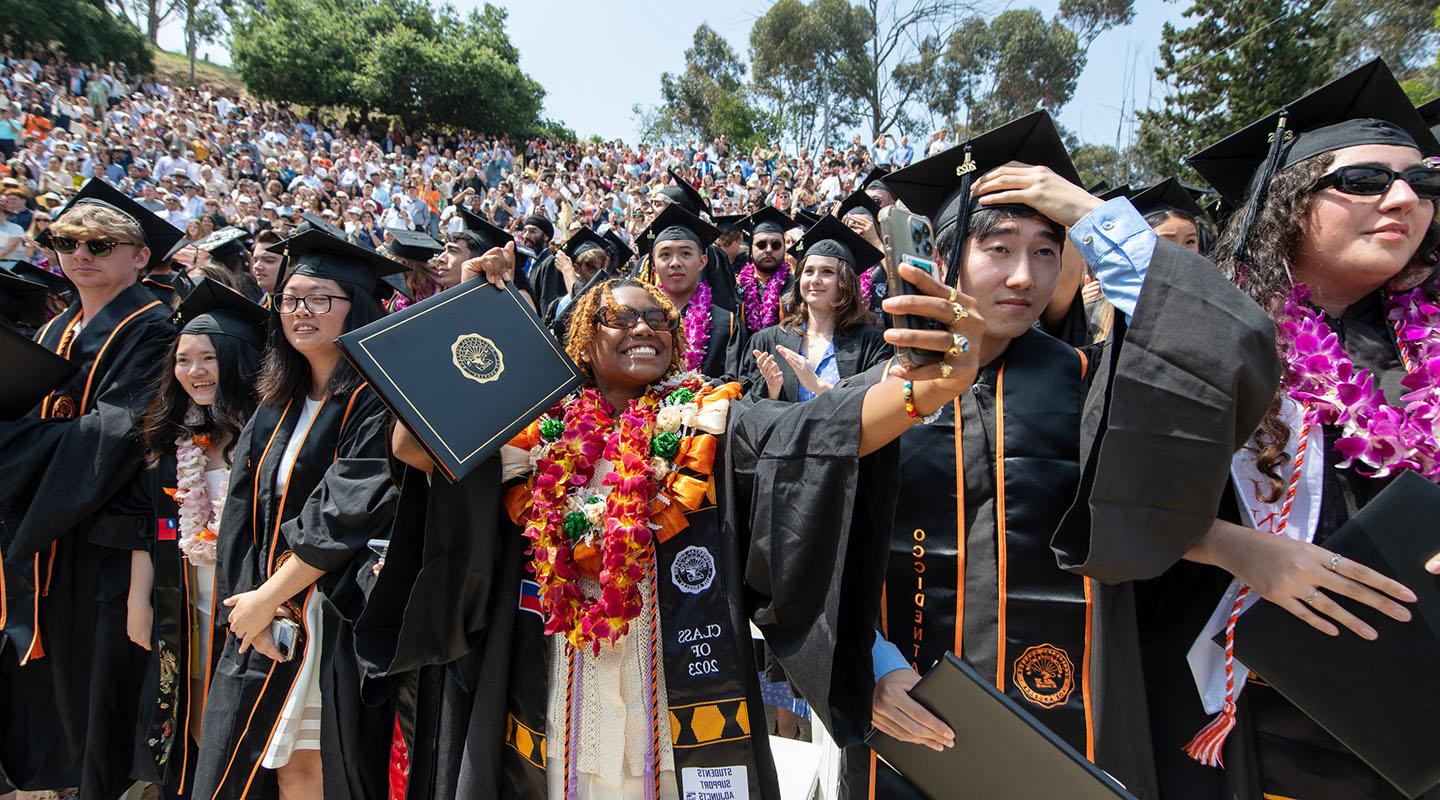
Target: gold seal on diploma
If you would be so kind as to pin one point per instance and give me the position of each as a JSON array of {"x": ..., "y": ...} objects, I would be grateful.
[{"x": 477, "y": 358}]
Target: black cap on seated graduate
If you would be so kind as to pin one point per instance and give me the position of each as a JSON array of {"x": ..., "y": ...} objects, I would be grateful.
[
  {"x": 583, "y": 241},
  {"x": 619, "y": 248},
  {"x": 1430, "y": 112},
  {"x": 831, "y": 237},
  {"x": 876, "y": 178},
  {"x": 163, "y": 239},
  {"x": 803, "y": 218},
  {"x": 1167, "y": 195},
  {"x": 23, "y": 300},
  {"x": 675, "y": 223},
  {"x": 726, "y": 223},
  {"x": 768, "y": 219},
  {"x": 938, "y": 187},
  {"x": 856, "y": 202},
  {"x": 59, "y": 284},
  {"x": 223, "y": 241},
  {"x": 685, "y": 195},
  {"x": 489, "y": 234},
  {"x": 413, "y": 245},
  {"x": 1366, "y": 106},
  {"x": 214, "y": 309},
  {"x": 319, "y": 254}
]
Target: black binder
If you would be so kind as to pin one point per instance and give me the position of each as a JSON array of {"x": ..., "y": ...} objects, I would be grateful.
[
  {"x": 32, "y": 372},
  {"x": 1378, "y": 698},
  {"x": 464, "y": 370},
  {"x": 1000, "y": 749}
]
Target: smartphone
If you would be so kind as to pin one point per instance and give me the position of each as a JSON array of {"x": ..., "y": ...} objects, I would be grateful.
[
  {"x": 379, "y": 547},
  {"x": 909, "y": 239},
  {"x": 286, "y": 635}
]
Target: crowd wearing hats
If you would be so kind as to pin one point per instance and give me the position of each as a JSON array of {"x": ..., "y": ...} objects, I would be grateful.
[{"x": 1056, "y": 439}]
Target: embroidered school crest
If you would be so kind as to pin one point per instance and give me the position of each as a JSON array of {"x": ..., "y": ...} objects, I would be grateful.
[
  {"x": 477, "y": 358},
  {"x": 62, "y": 408},
  {"x": 1045, "y": 675},
  {"x": 693, "y": 570}
]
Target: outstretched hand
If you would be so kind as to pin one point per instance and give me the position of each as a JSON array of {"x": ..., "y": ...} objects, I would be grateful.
[{"x": 496, "y": 265}]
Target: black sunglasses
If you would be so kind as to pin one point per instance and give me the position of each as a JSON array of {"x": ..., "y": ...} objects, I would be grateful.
[
  {"x": 99, "y": 248},
  {"x": 1373, "y": 179},
  {"x": 768, "y": 244},
  {"x": 624, "y": 318}
]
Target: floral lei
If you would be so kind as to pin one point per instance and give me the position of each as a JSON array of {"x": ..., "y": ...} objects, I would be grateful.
[
  {"x": 760, "y": 314},
  {"x": 199, "y": 513},
  {"x": 1377, "y": 439},
  {"x": 867, "y": 287},
  {"x": 697, "y": 326},
  {"x": 571, "y": 527}
]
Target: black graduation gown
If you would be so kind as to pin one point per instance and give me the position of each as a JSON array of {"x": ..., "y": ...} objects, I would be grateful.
[
  {"x": 721, "y": 278},
  {"x": 855, "y": 352},
  {"x": 70, "y": 519},
  {"x": 546, "y": 283},
  {"x": 450, "y": 597},
  {"x": 1161, "y": 401},
  {"x": 1275, "y": 749},
  {"x": 727, "y": 349},
  {"x": 343, "y": 477}
]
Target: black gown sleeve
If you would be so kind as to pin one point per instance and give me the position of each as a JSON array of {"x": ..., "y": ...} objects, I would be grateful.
[
  {"x": 751, "y": 380},
  {"x": 737, "y": 349},
  {"x": 813, "y": 520},
  {"x": 1180, "y": 388}
]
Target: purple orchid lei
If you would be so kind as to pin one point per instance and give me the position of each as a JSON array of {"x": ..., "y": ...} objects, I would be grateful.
[
  {"x": 759, "y": 313},
  {"x": 1376, "y": 439},
  {"x": 867, "y": 287},
  {"x": 697, "y": 327}
]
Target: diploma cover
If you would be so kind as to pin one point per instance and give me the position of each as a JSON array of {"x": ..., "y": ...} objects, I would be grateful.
[{"x": 32, "y": 372}]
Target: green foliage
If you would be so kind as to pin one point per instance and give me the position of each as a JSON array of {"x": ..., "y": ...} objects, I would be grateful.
[
  {"x": 84, "y": 31},
  {"x": 1006, "y": 68},
  {"x": 708, "y": 98},
  {"x": 808, "y": 61},
  {"x": 1400, "y": 31},
  {"x": 1236, "y": 62},
  {"x": 398, "y": 57}
]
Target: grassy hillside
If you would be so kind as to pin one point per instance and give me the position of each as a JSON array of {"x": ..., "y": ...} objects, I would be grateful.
[{"x": 174, "y": 69}]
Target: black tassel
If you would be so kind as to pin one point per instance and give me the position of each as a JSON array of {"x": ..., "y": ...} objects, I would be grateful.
[
  {"x": 966, "y": 171},
  {"x": 1278, "y": 140}
]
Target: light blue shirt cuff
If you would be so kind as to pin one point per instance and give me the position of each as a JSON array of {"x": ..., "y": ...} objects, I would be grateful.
[
  {"x": 885, "y": 657},
  {"x": 1117, "y": 244}
]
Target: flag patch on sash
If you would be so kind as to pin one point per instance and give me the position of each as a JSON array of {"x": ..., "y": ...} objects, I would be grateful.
[
  {"x": 530, "y": 598},
  {"x": 167, "y": 530}
]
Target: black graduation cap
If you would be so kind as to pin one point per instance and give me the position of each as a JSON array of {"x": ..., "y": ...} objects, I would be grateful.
[
  {"x": 1364, "y": 106},
  {"x": 413, "y": 245},
  {"x": 1430, "y": 112},
  {"x": 1099, "y": 188},
  {"x": 490, "y": 235},
  {"x": 726, "y": 223},
  {"x": 685, "y": 194},
  {"x": 59, "y": 284},
  {"x": 1167, "y": 195},
  {"x": 619, "y": 249},
  {"x": 934, "y": 187},
  {"x": 212, "y": 308},
  {"x": 583, "y": 241},
  {"x": 23, "y": 299},
  {"x": 674, "y": 222},
  {"x": 768, "y": 219},
  {"x": 163, "y": 239},
  {"x": 226, "y": 245},
  {"x": 859, "y": 200},
  {"x": 803, "y": 218},
  {"x": 320, "y": 254},
  {"x": 312, "y": 220},
  {"x": 831, "y": 237},
  {"x": 1112, "y": 192},
  {"x": 875, "y": 177}
]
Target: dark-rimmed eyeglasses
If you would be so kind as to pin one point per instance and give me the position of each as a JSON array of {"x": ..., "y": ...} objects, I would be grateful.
[
  {"x": 314, "y": 303},
  {"x": 624, "y": 318},
  {"x": 1372, "y": 179},
  {"x": 99, "y": 248}
]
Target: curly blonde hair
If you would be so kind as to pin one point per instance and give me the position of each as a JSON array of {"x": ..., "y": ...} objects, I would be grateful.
[{"x": 584, "y": 320}]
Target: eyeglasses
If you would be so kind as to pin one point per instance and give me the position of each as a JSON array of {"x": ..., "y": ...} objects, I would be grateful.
[
  {"x": 768, "y": 244},
  {"x": 1373, "y": 179},
  {"x": 624, "y": 318},
  {"x": 99, "y": 248},
  {"x": 314, "y": 303}
]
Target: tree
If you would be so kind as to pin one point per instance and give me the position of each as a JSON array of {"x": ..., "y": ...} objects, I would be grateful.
[
  {"x": 900, "y": 34},
  {"x": 1238, "y": 61},
  {"x": 300, "y": 51},
  {"x": 1400, "y": 31},
  {"x": 85, "y": 31},
  {"x": 709, "y": 97},
  {"x": 805, "y": 60},
  {"x": 152, "y": 13},
  {"x": 204, "y": 22}
]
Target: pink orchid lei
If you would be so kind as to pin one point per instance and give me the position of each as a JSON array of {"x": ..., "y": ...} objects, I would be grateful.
[
  {"x": 697, "y": 326},
  {"x": 760, "y": 314},
  {"x": 867, "y": 287},
  {"x": 1376, "y": 439}
]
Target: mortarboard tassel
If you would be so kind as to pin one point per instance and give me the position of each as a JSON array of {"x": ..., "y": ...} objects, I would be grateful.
[
  {"x": 1278, "y": 140},
  {"x": 966, "y": 172}
]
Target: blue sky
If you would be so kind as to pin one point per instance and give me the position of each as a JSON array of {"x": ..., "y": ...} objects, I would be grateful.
[{"x": 597, "y": 59}]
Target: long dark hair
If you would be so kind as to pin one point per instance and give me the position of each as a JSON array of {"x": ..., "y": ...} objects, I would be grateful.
[
  {"x": 1264, "y": 269},
  {"x": 850, "y": 312},
  {"x": 164, "y": 419},
  {"x": 285, "y": 374}
]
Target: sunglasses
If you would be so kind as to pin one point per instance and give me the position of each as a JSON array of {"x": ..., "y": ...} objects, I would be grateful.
[
  {"x": 624, "y": 318},
  {"x": 99, "y": 248},
  {"x": 1372, "y": 179},
  {"x": 768, "y": 244}
]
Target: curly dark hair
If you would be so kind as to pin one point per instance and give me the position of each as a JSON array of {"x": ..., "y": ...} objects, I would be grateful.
[
  {"x": 1263, "y": 268},
  {"x": 850, "y": 313},
  {"x": 585, "y": 320},
  {"x": 235, "y": 399}
]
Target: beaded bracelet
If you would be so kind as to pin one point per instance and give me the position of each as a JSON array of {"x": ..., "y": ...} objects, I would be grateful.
[{"x": 907, "y": 390}]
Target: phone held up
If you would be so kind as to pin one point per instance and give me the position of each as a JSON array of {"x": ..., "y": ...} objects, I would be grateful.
[{"x": 909, "y": 239}]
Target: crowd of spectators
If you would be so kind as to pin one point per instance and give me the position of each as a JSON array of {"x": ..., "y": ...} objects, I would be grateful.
[{"x": 205, "y": 160}]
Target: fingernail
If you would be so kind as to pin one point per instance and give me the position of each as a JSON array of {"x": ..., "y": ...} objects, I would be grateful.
[
  {"x": 1404, "y": 615},
  {"x": 1409, "y": 596},
  {"x": 1434, "y": 566},
  {"x": 1369, "y": 633},
  {"x": 1332, "y": 631}
]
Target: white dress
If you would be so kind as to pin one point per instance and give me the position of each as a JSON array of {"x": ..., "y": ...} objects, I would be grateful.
[
  {"x": 202, "y": 581},
  {"x": 299, "y": 727}
]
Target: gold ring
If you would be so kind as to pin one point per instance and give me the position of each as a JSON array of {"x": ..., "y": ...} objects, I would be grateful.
[
  {"x": 961, "y": 345},
  {"x": 953, "y": 293},
  {"x": 960, "y": 313},
  {"x": 946, "y": 369}
]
